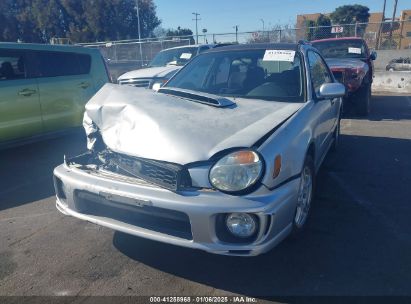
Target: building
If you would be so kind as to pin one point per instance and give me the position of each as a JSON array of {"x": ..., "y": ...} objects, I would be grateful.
[{"x": 405, "y": 31}]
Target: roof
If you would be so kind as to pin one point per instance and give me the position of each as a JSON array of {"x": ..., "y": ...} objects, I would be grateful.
[
  {"x": 334, "y": 39},
  {"x": 256, "y": 46},
  {"x": 47, "y": 47},
  {"x": 188, "y": 46}
]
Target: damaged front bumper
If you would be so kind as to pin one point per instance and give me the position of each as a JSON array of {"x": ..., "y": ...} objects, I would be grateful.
[{"x": 192, "y": 217}]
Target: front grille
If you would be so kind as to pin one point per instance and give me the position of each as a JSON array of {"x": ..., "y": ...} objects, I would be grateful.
[
  {"x": 339, "y": 76},
  {"x": 171, "y": 176},
  {"x": 136, "y": 82},
  {"x": 166, "y": 221}
]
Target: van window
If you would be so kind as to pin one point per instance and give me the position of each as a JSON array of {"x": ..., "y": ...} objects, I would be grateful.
[
  {"x": 12, "y": 65},
  {"x": 53, "y": 64}
]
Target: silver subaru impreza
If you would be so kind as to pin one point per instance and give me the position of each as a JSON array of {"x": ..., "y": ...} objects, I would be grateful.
[{"x": 222, "y": 158}]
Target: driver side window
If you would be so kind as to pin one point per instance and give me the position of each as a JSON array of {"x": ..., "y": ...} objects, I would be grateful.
[{"x": 319, "y": 71}]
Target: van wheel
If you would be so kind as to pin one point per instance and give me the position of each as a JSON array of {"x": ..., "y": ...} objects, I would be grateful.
[
  {"x": 305, "y": 196},
  {"x": 362, "y": 100}
]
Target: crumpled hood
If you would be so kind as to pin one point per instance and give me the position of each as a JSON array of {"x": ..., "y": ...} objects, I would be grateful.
[
  {"x": 150, "y": 72},
  {"x": 153, "y": 125},
  {"x": 346, "y": 63}
]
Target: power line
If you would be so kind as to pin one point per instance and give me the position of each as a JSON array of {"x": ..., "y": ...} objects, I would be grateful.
[{"x": 196, "y": 20}]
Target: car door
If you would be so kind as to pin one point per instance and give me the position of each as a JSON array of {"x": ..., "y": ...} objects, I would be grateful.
[
  {"x": 65, "y": 85},
  {"x": 20, "y": 113},
  {"x": 326, "y": 110}
]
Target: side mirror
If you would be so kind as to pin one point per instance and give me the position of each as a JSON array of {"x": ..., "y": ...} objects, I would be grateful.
[
  {"x": 332, "y": 90},
  {"x": 373, "y": 55}
]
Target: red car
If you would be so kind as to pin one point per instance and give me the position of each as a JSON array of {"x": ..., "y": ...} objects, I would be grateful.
[{"x": 351, "y": 62}]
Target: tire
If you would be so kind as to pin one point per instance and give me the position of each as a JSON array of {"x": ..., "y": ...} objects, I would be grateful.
[
  {"x": 391, "y": 70},
  {"x": 362, "y": 100},
  {"x": 305, "y": 196}
]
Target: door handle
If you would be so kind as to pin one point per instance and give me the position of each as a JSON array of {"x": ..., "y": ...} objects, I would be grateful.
[
  {"x": 27, "y": 92},
  {"x": 84, "y": 85}
]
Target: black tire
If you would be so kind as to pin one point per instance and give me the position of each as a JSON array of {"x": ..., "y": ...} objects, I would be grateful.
[
  {"x": 299, "y": 223},
  {"x": 362, "y": 100}
]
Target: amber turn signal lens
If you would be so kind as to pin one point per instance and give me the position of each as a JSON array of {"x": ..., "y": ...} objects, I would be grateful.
[
  {"x": 245, "y": 157},
  {"x": 277, "y": 166}
]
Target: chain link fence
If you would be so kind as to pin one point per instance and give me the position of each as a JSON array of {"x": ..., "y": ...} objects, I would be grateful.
[
  {"x": 126, "y": 55},
  {"x": 380, "y": 36}
]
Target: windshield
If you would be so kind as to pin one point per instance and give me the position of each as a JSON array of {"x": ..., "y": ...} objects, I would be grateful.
[
  {"x": 258, "y": 74},
  {"x": 179, "y": 56},
  {"x": 341, "y": 48}
]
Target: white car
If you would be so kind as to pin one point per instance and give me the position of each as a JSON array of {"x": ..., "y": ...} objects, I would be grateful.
[
  {"x": 222, "y": 158},
  {"x": 164, "y": 65}
]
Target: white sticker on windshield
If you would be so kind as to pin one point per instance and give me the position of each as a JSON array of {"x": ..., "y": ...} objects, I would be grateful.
[
  {"x": 353, "y": 50},
  {"x": 185, "y": 56},
  {"x": 279, "y": 55}
]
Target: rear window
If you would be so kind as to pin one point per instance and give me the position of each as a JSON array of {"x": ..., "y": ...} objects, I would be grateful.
[
  {"x": 54, "y": 64},
  {"x": 12, "y": 65},
  {"x": 345, "y": 48}
]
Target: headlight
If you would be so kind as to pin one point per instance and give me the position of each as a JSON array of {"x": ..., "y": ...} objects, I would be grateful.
[{"x": 237, "y": 171}]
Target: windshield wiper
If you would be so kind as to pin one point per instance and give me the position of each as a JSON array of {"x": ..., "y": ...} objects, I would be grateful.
[{"x": 205, "y": 98}]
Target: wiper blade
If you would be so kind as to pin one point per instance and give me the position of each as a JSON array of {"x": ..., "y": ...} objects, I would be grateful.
[{"x": 205, "y": 98}]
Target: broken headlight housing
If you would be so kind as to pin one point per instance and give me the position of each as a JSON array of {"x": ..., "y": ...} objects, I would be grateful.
[
  {"x": 94, "y": 139},
  {"x": 237, "y": 172}
]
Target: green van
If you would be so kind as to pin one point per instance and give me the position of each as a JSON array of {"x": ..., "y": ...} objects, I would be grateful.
[{"x": 43, "y": 88}]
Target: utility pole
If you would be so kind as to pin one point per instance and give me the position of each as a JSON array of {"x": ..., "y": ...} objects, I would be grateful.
[
  {"x": 393, "y": 18},
  {"x": 236, "y": 33},
  {"x": 381, "y": 26},
  {"x": 196, "y": 20},
  {"x": 139, "y": 33}
]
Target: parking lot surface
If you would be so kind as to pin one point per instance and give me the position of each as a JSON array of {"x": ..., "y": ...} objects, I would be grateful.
[{"x": 357, "y": 241}]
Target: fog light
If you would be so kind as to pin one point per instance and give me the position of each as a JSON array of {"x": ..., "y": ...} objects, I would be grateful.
[{"x": 241, "y": 225}]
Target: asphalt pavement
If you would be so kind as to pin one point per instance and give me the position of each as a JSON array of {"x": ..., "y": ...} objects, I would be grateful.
[{"x": 357, "y": 240}]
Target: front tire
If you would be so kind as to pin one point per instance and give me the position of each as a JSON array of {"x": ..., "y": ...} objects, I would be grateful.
[
  {"x": 362, "y": 100},
  {"x": 305, "y": 196}
]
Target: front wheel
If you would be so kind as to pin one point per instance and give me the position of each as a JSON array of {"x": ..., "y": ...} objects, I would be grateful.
[
  {"x": 305, "y": 195},
  {"x": 362, "y": 100}
]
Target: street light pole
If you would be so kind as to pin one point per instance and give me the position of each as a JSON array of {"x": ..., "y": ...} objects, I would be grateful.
[
  {"x": 139, "y": 33},
  {"x": 236, "y": 33},
  {"x": 196, "y": 20},
  {"x": 262, "y": 20}
]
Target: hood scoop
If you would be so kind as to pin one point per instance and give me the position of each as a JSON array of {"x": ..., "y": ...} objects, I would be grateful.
[{"x": 208, "y": 99}]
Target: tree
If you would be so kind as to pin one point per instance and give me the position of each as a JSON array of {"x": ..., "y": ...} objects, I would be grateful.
[
  {"x": 181, "y": 32},
  {"x": 310, "y": 29},
  {"x": 8, "y": 22},
  {"x": 350, "y": 14},
  {"x": 323, "y": 27},
  {"x": 79, "y": 20}
]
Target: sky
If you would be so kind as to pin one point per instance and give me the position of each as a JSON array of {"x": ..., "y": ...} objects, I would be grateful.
[{"x": 220, "y": 16}]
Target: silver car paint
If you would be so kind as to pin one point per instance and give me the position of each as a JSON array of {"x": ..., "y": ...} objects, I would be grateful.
[{"x": 310, "y": 124}]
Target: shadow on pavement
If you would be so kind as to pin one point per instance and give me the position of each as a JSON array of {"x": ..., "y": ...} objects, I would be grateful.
[
  {"x": 26, "y": 171},
  {"x": 384, "y": 108},
  {"x": 357, "y": 241}
]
